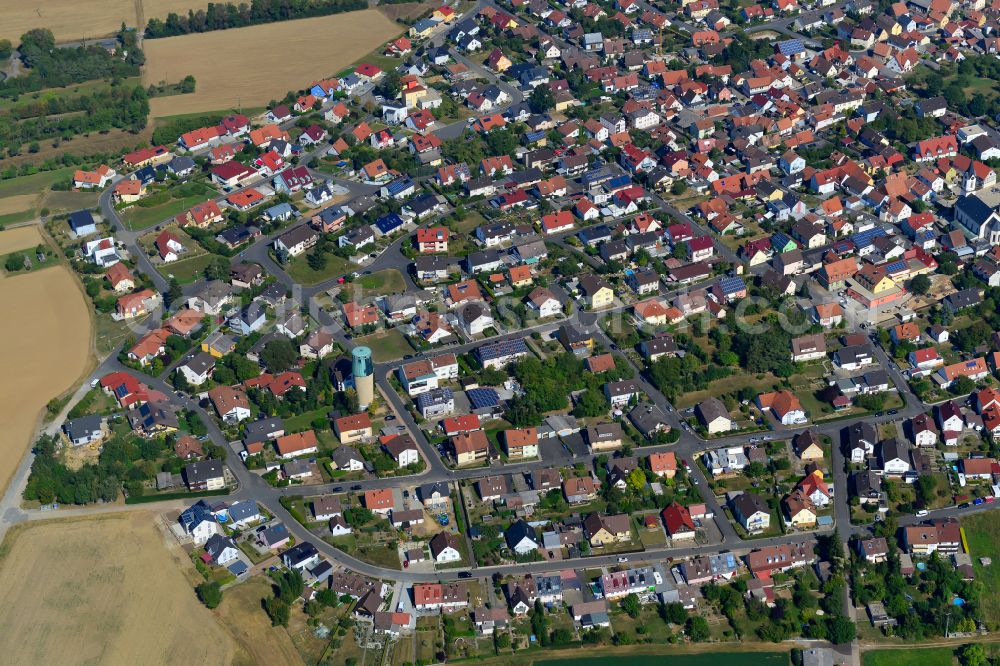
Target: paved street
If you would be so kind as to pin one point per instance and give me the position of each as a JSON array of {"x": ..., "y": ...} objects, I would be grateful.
[{"x": 252, "y": 487}]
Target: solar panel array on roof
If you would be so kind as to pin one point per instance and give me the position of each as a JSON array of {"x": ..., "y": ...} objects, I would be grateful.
[
  {"x": 731, "y": 285},
  {"x": 791, "y": 47},
  {"x": 867, "y": 237},
  {"x": 399, "y": 185},
  {"x": 481, "y": 398},
  {"x": 895, "y": 267},
  {"x": 502, "y": 348},
  {"x": 595, "y": 177},
  {"x": 387, "y": 223},
  {"x": 619, "y": 181}
]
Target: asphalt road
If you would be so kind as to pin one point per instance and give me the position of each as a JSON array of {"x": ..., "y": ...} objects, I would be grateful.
[{"x": 252, "y": 487}]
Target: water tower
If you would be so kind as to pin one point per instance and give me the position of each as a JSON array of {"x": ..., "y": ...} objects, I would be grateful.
[{"x": 364, "y": 375}]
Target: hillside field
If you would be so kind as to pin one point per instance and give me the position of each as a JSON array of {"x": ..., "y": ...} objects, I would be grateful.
[
  {"x": 254, "y": 65},
  {"x": 71, "y": 20},
  {"x": 103, "y": 591}
]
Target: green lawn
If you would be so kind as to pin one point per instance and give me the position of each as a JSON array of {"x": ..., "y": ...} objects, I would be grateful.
[
  {"x": 368, "y": 548},
  {"x": 386, "y": 345},
  {"x": 248, "y": 112},
  {"x": 298, "y": 268},
  {"x": 982, "y": 533},
  {"x": 941, "y": 656},
  {"x": 51, "y": 258},
  {"x": 469, "y": 223},
  {"x": 727, "y": 385},
  {"x": 33, "y": 183},
  {"x": 304, "y": 420},
  {"x": 14, "y": 218},
  {"x": 174, "y": 203},
  {"x": 110, "y": 333},
  {"x": 187, "y": 270},
  {"x": 380, "y": 283}
]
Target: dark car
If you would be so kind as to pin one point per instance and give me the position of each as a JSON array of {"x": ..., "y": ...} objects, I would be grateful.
[
  {"x": 338, "y": 489},
  {"x": 892, "y": 412},
  {"x": 358, "y": 487},
  {"x": 464, "y": 574}
]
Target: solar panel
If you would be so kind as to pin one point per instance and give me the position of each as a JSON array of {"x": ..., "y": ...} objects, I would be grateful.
[{"x": 483, "y": 397}]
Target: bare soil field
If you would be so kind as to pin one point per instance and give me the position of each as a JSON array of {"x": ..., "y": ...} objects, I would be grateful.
[
  {"x": 71, "y": 20},
  {"x": 103, "y": 590},
  {"x": 242, "y": 613},
  {"x": 231, "y": 64},
  {"x": 48, "y": 343}
]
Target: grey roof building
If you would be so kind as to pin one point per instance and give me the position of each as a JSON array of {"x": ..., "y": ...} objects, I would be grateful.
[
  {"x": 648, "y": 419},
  {"x": 85, "y": 429}
]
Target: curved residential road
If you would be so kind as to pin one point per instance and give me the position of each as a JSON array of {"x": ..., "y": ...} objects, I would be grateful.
[
  {"x": 130, "y": 239},
  {"x": 252, "y": 487}
]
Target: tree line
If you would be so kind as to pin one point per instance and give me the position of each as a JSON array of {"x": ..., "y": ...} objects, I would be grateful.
[
  {"x": 123, "y": 460},
  {"x": 222, "y": 16},
  {"x": 122, "y": 107},
  {"x": 51, "y": 67}
]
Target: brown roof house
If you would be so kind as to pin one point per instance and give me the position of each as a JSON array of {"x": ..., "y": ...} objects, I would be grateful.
[
  {"x": 604, "y": 530},
  {"x": 470, "y": 447}
]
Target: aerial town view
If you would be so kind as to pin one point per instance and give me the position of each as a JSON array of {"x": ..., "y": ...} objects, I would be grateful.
[{"x": 507, "y": 332}]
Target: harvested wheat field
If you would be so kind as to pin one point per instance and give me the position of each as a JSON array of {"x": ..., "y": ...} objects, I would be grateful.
[
  {"x": 46, "y": 329},
  {"x": 408, "y": 10},
  {"x": 262, "y": 62},
  {"x": 17, "y": 203},
  {"x": 102, "y": 591},
  {"x": 19, "y": 238},
  {"x": 71, "y": 20}
]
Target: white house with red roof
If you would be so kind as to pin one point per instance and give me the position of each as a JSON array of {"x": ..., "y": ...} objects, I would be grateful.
[
  {"x": 924, "y": 361},
  {"x": 168, "y": 246}
]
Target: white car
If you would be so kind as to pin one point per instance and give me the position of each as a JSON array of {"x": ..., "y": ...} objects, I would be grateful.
[{"x": 623, "y": 559}]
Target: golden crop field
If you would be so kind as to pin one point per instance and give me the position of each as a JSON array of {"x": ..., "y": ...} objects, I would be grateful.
[
  {"x": 71, "y": 20},
  {"x": 262, "y": 62},
  {"x": 104, "y": 590},
  {"x": 20, "y": 238},
  {"x": 47, "y": 332}
]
